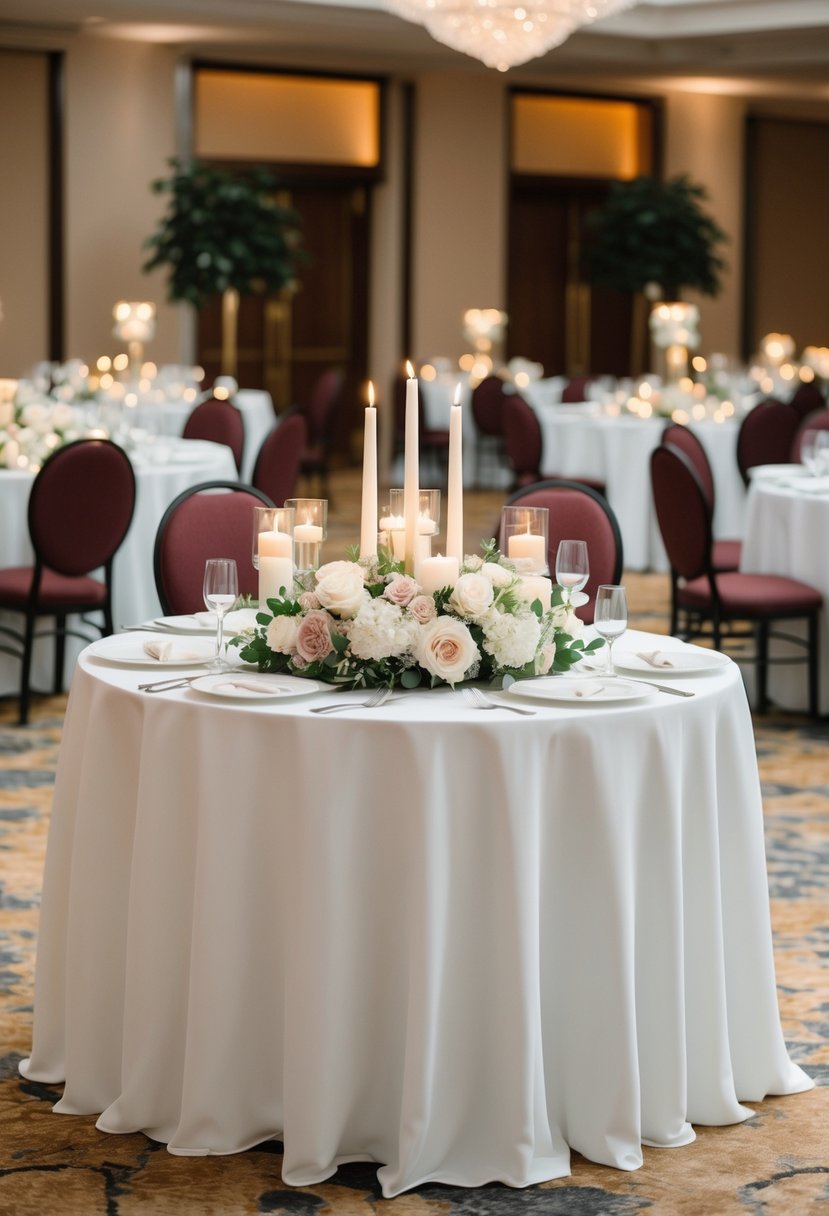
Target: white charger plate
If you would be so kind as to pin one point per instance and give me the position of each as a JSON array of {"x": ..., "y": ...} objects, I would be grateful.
[
  {"x": 275, "y": 687},
  {"x": 205, "y": 622},
  {"x": 130, "y": 652},
  {"x": 570, "y": 690},
  {"x": 685, "y": 660}
]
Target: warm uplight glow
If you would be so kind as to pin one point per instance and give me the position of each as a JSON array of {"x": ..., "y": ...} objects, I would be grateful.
[
  {"x": 104, "y": 363},
  {"x": 427, "y": 372},
  {"x": 106, "y": 380},
  {"x": 699, "y": 363},
  {"x": 466, "y": 363},
  {"x": 121, "y": 362}
]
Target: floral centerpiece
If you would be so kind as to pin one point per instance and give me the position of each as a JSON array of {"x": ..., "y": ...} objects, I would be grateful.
[
  {"x": 34, "y": 425},
  {"x": 366, "y": 624}
]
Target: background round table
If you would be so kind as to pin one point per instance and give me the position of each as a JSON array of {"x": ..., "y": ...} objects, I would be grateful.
[{"x": 455, "y": 943}]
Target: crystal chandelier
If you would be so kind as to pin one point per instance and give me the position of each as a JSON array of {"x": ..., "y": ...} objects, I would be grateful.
[{"x": 503, "y": 34}]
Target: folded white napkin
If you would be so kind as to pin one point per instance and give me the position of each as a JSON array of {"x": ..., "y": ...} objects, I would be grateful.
[
  {"x": 655, "y": 658},
  {"x": 172, "y": 652},
  {"x": 250, "y": 685},
  {"x": 588, "y": 690}
]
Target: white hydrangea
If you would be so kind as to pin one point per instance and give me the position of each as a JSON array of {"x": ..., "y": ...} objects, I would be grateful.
[
  {"x": 511, "y": 640},
  {"x": 381, "y": 630}
]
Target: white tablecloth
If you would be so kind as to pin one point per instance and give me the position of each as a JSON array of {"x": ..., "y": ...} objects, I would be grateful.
[
  {"x": 455, "y": 943},
  {"x": 786, "y": 533},
  {"x": 580, "y": 441},
  {"x": 255, "y": 405},
  {"x": 162, "y": 471}
]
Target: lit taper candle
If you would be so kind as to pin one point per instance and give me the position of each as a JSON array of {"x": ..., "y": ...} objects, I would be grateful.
[
  {"x": 368, "y": 522},
  {"x": 411, "y": 473},
  {"x": 454, "y": 499}
]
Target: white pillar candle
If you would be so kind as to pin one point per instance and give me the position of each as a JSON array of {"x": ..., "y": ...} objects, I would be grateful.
[
  {"x": 526, "y": 548},
  {"x": 454, "y": 499},
  {"x": 435, "y": 573},
  {"x": 368, "y": 522},
  {"x": 307, "y": 534},
  {"x": 275, "y": 544},
  {"x": 276, "y": 565},
  {"x": 537, "y": 587},
  {"x": 411, "y": 472}
]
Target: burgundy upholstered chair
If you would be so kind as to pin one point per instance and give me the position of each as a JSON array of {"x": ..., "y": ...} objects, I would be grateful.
[
  {"x": 818, "y": 421},
  {"x": 575, "y": 390},
  {"x": 80, "y": 509},
  {"x": 276, "y": 471},
  {"x": 213, "y": 519},
  {"x": 806, "y": 399},
  {"x": 219, "y": 422},
  {"x": 725, "y": 554},
  {"x": 709, "y": 600},
  {"x": 321, "y": 418},
  {"x": 487, "y": 413},
  {"x": 765, "y": 436},
  {"x": 523, "y": 444},
  {"x": 577, "y": 512}
]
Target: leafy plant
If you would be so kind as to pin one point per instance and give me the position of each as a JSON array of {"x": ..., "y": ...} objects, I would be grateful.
[
  {"x": 654, "y": 234},
  {"x": 223, "y": 231}
]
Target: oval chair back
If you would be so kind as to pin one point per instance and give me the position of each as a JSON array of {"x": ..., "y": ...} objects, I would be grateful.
[
  {"x": 522, "y": 440},
  {"x": 219, "y": 422},
  {"x": 488, "y": 406},
  {"x": 818, "y": 421},
  {"x": 276, "y": 471},
  {"x": 579, "y": 513},
  {"x": 765, "y": 436},
  {"x": 680, "y": 437},
  {"x": 213, "y": 519},
  {"x": 806, "y": 399}
]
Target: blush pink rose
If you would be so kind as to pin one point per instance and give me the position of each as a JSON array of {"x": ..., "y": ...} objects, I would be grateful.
[
  {"x": 446, "y": 649},
  {"x": 313, "y": 638},
  {"x": 422, "y": 608},
  {"x": 401, "y": 590},
  {"x": 308, "y": 601}
]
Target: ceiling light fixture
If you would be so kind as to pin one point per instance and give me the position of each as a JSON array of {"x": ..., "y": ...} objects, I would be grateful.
[{"x": 503, "y": 34}]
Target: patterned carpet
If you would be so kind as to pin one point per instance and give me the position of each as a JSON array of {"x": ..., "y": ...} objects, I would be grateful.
[{"x": 775, "y": 1164}]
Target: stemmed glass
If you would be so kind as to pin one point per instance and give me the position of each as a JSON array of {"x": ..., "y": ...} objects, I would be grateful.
[
  {"x": 610, "y": 618},
  {"x": 814, "y": 450},
  {"x": 572, "y": 567},
  {"x": 221, "y": 590}
]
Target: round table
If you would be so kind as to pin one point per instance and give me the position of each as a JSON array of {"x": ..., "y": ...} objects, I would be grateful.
[
  {"x": 456, "y": 943},
  {"x": 787, "y": 521},
  {"x": 162, "y": 470},
  {"x": 168, "y": 417}
]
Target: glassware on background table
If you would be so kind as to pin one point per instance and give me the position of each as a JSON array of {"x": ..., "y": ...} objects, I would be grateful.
[
  {"x": 572, "y": 567},
  {"x": 814, "y": 451},
  {"x": 524, "y": 538},
  {"x": 392, "y": 523},
  {"x": 310, "y": 530},
  {"x": 610, "y": 618},
  {"x": 221, "y": 591}
]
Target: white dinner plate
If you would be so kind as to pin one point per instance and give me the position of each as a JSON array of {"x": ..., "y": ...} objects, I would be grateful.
[
  {"x": 257, "y": 686},
  {"x": 580, "y": 690},
  {"x": 685, "y": 660},
  {"x": 205, "y": 622},
  {"x": 130, "y": 651}
]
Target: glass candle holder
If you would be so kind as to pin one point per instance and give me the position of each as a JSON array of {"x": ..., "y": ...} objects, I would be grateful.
[
  {"x": 272, "y": 551},
  {"x": 525, "y": 538},
  {"x": 310, "y": 530},
  {"x": 428, "y": 522}
]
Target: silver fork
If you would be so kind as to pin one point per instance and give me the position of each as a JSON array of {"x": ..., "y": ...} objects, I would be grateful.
[
  {"x": 481, "y": 701},
  {"x": 376, "y": 699},
  {"x": 169, "y": 684}
]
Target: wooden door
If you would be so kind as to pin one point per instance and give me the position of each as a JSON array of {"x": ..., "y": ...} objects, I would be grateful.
[
  {"x": 555, "y": 316},
  {"x": 285, "y": 342}
]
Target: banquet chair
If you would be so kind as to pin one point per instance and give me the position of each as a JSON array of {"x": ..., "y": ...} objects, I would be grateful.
[
  {"x": 523, "y": 444},
  {"x": 80, "y": 509},
  {"x": 487, "y": 413},
  {"x": 708, "y": 600},
  {"x": 276, "y": 471},
  {"x": 218, "y": 422},
  {"x": 578, "y": 512},
  {"x": 321, "y": 419},
  {"x": 725, "y": 554},
  {"x": 213, "y": 519},
  {"x": 575, "y": 390},
  {"x": 817, "y": 421},
  {"x": 806, "y": 399},
  {"x": 765, "y": 436}
]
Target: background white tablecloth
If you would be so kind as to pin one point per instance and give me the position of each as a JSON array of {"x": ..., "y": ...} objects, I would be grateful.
[
  {"x": 162, "y": 471},
  {"x": 455, "y": 943},
  {"x": 786, "y": 533}
]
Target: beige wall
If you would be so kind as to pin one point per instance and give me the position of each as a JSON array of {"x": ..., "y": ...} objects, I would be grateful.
[
  {"x": 24, "y": 255},
  {"x": 120, "y": 112},
  {"x": 704, "y": 137},
  {"x": 460, "y": 183}
]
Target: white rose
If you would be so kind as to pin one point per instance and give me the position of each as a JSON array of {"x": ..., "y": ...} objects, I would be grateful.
[
  {"x": 281, "y": 635},
  {"x": 473, "y": 562},
  {"x": 340, "y": 588},
  {"x": 446, "y": 649},
  {"x": 472, "y": 595},
  {"x": 498, "y": 575},
  {"x": 34, "y": 415},
  {"x": 574, "y": 625}
]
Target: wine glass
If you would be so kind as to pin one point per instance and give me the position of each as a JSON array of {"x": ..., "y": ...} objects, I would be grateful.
[
  {"x": 221, "y": 590},
  {"x": 572, "y": 567},
  {"x": 610, "y": 618}
]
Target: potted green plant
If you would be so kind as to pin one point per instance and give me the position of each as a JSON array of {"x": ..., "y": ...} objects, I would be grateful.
[
  {"x": 223, "y": 234},
  {"x": 654, "y": 239}
]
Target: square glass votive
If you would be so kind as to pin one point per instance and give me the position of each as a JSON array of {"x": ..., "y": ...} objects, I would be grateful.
[
  {"x": 310, "y": 530},
  {"x": 525, "y": 538},
  {"x": 428, "y": 522}
]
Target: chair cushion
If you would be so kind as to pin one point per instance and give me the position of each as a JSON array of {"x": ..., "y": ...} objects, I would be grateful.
[
  {"x": 725, "y": 555},
  {"x": 57, "y": 591},
  {"x": 752, "y": 596}
]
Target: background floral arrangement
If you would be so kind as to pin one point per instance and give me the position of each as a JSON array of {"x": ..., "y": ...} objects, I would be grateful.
[
  {"x": 365, "y": 624},
  {"x": 33, "y": 425}
]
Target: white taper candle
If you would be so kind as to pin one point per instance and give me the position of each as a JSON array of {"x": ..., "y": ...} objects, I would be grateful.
[
  {"x": 411, "y": 473},
  {"x": 368, "y": 522},
  {"x": 454, "y": 498}
]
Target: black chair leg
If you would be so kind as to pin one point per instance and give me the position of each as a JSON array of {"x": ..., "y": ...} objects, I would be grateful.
[
  {"x": 60, "y": 654},
  {"x": 814, "y": 665},
  {"x": 762, "y": 666},
  {"x": 26, "y": 669}
]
